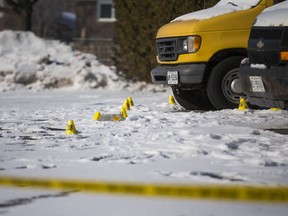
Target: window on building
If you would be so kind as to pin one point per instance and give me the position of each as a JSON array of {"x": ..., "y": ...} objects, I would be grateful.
[{"x": 105, "y": 11}]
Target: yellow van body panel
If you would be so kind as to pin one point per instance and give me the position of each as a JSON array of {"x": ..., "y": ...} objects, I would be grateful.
[{"x": 228, "y": 31}]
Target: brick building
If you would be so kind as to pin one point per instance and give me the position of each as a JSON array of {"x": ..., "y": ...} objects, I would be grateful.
[
  {"x": 87, "y": 24},
  {"x": 95, "y": 26}
]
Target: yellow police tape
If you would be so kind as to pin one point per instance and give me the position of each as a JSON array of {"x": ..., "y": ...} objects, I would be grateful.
[{"x": 212, "y": 192}]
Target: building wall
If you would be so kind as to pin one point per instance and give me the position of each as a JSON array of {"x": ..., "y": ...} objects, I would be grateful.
[
  {"x": 87, "y": 33},
  {"x": 87, "y": 24},
  {"x": 92, "y": 34}
]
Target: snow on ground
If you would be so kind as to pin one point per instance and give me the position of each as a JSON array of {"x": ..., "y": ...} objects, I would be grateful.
[{"x": 158, "y": 143}]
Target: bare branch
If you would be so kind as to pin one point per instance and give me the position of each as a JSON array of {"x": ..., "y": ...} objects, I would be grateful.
[
  {"x": 11, "y": 3},
  {"x": 34, "y": 1},
  {"x": 6, "y": 10},
  {"x": 23, "y": 10}
]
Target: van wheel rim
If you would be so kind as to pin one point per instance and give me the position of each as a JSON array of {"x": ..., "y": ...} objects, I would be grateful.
[{"x": 230, "y": 86}]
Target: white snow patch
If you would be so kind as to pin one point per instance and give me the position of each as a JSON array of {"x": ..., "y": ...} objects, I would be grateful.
[
  {"x": 274, "y": 16},
  {"x": 221, "y": 8},
  {"x": 259, "y": 66},
  {"x": 28, "y": 62}
]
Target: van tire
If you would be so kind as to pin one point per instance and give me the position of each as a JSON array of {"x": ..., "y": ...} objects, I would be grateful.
[
  {"x": 219, "y": 88},
  {"x": 192, "y": 99}
]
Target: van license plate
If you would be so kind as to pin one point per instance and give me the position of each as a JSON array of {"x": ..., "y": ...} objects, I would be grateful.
[
  {"x": 257, "y": 84},
  {"x": 172, "y": 77}
]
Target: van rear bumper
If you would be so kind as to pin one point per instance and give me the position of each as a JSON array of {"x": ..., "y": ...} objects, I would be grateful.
[
  {"x": 275, "y": 81},
  {"x": 188, "y": 73}
]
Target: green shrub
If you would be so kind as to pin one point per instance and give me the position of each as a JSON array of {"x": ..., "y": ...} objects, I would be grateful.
[{"x": 136, "y": 27}]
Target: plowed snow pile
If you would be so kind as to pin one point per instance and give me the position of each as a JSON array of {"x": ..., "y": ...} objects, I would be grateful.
[{"x": 28, "y": 62}]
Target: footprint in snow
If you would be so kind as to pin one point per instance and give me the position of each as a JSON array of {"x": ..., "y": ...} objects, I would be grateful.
[{"x": 48, "y": 166}]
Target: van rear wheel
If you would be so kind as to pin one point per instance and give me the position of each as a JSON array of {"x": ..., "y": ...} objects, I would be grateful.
[
  {"x": 224, "y": 89},
  {"x": 192, "y": 99}
]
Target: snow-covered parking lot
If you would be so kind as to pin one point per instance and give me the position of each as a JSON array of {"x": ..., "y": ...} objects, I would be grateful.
[{"x": 157, "y": 143}]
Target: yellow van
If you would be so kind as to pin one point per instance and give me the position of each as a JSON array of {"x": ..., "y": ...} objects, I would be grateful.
[{"x": 199, "y": 53}]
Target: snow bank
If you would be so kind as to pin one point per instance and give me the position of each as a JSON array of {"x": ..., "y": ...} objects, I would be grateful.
[
  {"x": 28, "y": 62},
  {"x": 221, "y": 8},
  {"x": 274, "y": 16}
]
